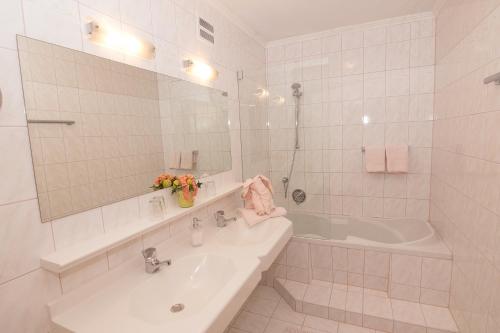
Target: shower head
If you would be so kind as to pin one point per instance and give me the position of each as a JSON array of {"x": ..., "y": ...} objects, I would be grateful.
[{"x": 296, "y": 87}]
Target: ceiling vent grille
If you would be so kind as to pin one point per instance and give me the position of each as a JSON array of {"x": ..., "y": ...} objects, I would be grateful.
[{"x": 207, "y": 31}]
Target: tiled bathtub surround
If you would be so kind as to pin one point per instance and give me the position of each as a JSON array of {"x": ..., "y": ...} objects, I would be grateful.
[
  {"x": 411, "y": 278},
  {"x": 370, "y": 84},
  {"x": 25, "y": 289},
  {"x": 361, "y": 307},
  {"x": 465, "y": 198},
  {"x": 269, "y": 311}
]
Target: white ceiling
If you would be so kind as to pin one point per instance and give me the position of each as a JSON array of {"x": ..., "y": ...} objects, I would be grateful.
[{"x": 277, "y": 19}]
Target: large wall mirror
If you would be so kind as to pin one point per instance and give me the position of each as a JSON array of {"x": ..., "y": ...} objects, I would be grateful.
[{"x": 101, "y": 130}]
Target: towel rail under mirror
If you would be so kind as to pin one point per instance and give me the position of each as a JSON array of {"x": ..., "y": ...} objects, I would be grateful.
[{"x": 38, "y": 121}]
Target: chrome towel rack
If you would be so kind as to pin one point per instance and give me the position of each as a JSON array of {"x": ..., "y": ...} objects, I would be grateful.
[{"x": 36, "y": 121}]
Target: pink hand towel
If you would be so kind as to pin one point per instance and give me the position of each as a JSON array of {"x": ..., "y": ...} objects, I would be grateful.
[
  {"x": 375, "y": 159},
  {"x": 252, "y": 218},
  {"x": 258, "y": 195},
  {"x": 397, "y": 158}
]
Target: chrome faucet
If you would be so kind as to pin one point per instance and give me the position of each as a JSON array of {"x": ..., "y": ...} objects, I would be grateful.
[
  {"x": 153, "y": 264},
  {"x": 221, "y": 219}
]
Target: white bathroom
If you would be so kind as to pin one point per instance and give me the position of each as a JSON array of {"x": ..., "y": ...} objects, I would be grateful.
[{"x": 232, "y": 166}]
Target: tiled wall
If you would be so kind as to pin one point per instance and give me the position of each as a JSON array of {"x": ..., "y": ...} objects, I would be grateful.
[
  {"x": 412, "y": 278},
  {"x": 113, "y": 150},
  {"x": 465, "y": 183},
  {"x": 171, "y": 25},
  {"x": 371, "y": 84}
]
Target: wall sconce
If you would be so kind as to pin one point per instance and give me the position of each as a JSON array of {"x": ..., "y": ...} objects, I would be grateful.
[
  {"x": 121, "y": 41},
  {"x": 200, "y": 70}
]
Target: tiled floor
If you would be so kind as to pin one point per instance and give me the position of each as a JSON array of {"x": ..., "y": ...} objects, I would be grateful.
[
  {"x": 267, "y": 312},
  {"x": 327, "y": 308}
]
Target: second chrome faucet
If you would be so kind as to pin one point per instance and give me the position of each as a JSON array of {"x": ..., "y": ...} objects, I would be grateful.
[{"x": 221, "y": 219}]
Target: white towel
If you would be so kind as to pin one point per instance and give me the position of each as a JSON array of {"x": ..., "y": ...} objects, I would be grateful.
[
  {"x": 187, "y": 160},
  {"x": 375, "y": 158},
  {"x": 174, "y": 161},
  {"x": 397, "y": 158}
]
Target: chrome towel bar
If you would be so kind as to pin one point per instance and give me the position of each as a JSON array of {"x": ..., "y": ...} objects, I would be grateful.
[{"x": 66, "y": 122}]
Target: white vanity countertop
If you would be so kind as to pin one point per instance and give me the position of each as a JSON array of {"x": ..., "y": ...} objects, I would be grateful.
[
  {"x": 64, "y": 259},
  {"x": 213, "y": 281}
]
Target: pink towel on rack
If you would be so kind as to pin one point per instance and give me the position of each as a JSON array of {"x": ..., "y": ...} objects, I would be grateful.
[
  {"x": 397, "y": 158},
  {"x": 375, "y": 158},
  {"x": 251, "y": 217}
]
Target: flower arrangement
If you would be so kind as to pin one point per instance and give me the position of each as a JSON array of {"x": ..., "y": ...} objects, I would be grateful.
[{"x": 186, "y": 186}]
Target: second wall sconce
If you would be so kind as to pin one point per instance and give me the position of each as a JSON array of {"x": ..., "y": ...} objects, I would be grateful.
[
  {"x": 121, "y": 41},
  {"x": 201, "y": 70}
]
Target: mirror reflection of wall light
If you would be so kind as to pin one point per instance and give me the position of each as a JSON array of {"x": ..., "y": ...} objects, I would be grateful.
[
  {"x": 261, "y": 92},
  {"x": 278, "y": 100},
  {"x": 120, "y": 41},
  {"x": 200, "y": 70}
]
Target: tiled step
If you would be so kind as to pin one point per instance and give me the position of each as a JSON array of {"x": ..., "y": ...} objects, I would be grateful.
[{"x": 364, "y": 307}]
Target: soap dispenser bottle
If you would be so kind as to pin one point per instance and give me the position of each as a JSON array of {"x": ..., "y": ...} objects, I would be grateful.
[{"x": 197, "y": 233}]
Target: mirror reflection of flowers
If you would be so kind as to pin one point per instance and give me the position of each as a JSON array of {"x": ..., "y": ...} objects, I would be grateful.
[{"x": 163, "y": 181}]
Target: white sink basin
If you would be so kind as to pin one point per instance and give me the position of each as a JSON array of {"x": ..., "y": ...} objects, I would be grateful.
[
  {"x": 212, "y": 282},
  {"x": 240, "y": 234},
  {"x": 190, "y": 281}
]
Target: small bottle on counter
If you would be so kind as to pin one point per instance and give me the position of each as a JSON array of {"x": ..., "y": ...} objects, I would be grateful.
[{"x": 197, "y": 233}]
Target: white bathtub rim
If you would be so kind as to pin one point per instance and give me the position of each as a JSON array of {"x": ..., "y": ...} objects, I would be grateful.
[{"x": 436, "y": 248}]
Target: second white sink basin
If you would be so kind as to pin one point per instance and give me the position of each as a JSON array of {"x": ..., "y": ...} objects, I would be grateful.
[
  {"x": 190, "y": 283},
  {"x": 238, "y": 233}
]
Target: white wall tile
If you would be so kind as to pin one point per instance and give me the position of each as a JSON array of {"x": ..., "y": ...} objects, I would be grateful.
[
  {"x": 163, "y": 20},
  {"x": 81, "y": 274},
  {"x": 11, "y": 12},
  {"x": 16, "y": 166},
  {"x": 398, "y": 55},
  {"x": 55, "y": 21},
  {"x": 24, "y": 239},
  {"x": 332, "y": 44},
  {"x": 137, "y": 14},
  {"x": 108, "y": 7},
  {"x": 352, "y": 61},
  {"x": 39, "y": 287},
  {"x": 12, "y": 109},
  {"x": 352, "y": 40},
  {"x": 376, "y": 36},
  {"x": 121, "y": 213},
  {"x": 375, "y": 58},
  {"x": 76, "y": 228}
]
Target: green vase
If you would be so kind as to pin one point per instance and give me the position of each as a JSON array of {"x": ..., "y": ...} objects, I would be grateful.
[{"x": 183, "y": 202}]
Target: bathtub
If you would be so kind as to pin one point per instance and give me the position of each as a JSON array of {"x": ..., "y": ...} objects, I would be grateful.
[
  {"x": 402, "y": 257},
  {"x": 402, "y": 235}
]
